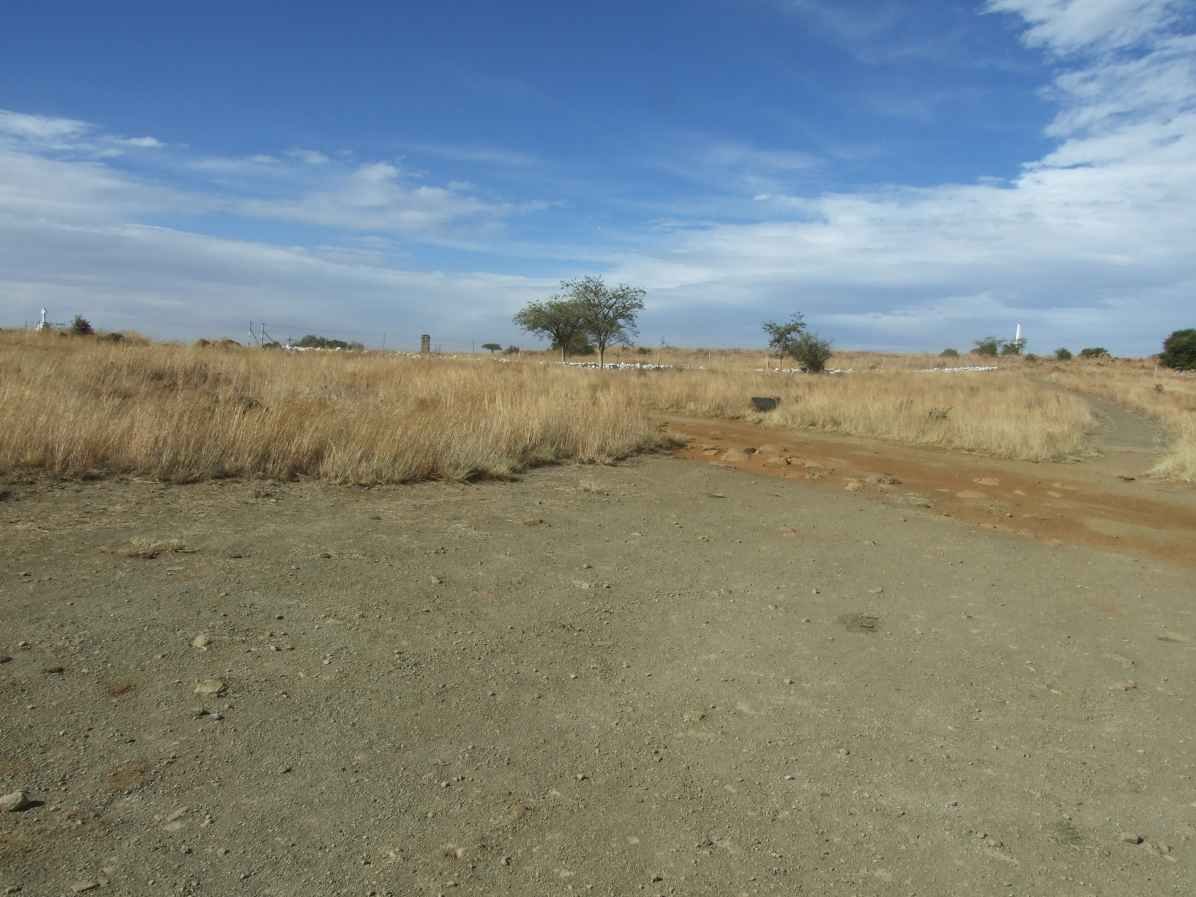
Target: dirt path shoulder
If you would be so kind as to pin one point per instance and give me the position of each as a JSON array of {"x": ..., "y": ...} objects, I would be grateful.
[{"x": 1078, "y": 503}]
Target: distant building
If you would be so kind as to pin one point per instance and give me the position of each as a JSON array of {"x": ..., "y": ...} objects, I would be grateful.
[{"x": 425, "y": 344}]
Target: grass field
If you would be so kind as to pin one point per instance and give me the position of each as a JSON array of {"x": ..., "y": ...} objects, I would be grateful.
[
  {"x": 76, "y": 405},
  {"x": 81, "y": 406}
]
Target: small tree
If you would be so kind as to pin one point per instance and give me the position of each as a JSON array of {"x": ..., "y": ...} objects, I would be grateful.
[
  {"x": 1094, "y": 352},
  {"x": 81, "y": 326},
  {"x": 783, "y": 336},
  {"x": 608, "y": 314},
  {"x": 812, "y": 353},
  {"x": 1013, "y": 347},
  {"x": 949, "y": 353},
  {"x": 989, "y": 346},
  {"x": 511, "y": 350},
  {"x": 1179, "y": 351},
  {"x": 492, "y": 347},
  {"x": 557, "y": 319},
  {"x": 1063, "y": 355}
]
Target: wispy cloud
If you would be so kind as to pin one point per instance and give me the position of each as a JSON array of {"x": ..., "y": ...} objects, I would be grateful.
[
  {"x": 40, "y": 129},
  {"x": 376, "y": 197},
  {"x": 483, "y": 155},
  {"x": 1068, "y": 26},
  {"x": 309, "y": 156}
]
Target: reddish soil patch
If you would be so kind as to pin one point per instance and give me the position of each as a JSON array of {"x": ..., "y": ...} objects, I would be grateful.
[{"x": 1052, "y": 503}]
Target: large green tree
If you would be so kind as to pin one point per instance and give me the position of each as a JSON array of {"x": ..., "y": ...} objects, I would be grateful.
[
  {"x": 783, "y": 335},
  {"x": 559, "y": 319},
  {"x": 608, "y": 314}
]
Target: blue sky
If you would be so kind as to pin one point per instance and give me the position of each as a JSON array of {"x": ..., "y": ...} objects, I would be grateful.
[{"x": 908, "y": 175}]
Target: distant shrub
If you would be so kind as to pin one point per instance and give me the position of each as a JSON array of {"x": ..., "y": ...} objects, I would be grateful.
[
  {"x": 643, "y": 350},
  {"x": 1095, "y": 352},
  {"x": 1013, "y": 347},
  {"x": 114, "y": 337},
  {"x": 81, "y": 326},
  {"x": 511, "y": 350},
  {"x": 949, "y": 353},
  {"x": 811, "y": 352},
  {"x": 1062, "y": 355},
  {"x": 1032, "y": 358},
  {"x": 1179, "y": 351},
  {"x": 989, "y": 346}
]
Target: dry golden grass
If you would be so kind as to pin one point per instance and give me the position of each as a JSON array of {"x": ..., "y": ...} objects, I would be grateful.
[
  {"x": 1002, "y": 413},
  {"x": 1140, "y": 384},
  {"x": 73, "y": 406}
]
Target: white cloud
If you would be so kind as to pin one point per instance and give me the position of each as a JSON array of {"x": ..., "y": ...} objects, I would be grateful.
[
  {"x": 40, "y": 128},
  {"x": 259, "y": 163},
  {"x": 1067, "y": 26},
  {"x": 139, "y": 142},
  {"x": 741, "y": 155},
  {"x": 172, "y": 283},
  {"x": 309, "y": 156},
  {"x": 484, "y": 155},
  {"x": 70, "y": 240},
  {"x": 376, "y": 197}
]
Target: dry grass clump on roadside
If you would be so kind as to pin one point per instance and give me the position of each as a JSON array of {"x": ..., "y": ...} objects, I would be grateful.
[
  {"x": 76, "y": 406},
  {"x": 1166, "y": 395},
  {"x": 1002, "y": 413}
]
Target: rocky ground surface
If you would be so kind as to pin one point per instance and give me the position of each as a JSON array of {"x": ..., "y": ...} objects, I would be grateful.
[{"x": 662, "y": 678}]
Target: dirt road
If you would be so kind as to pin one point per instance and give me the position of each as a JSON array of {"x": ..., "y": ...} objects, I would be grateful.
[
  {"x": 659, "y": 678},
  {"x": 1107, "y": 500}
]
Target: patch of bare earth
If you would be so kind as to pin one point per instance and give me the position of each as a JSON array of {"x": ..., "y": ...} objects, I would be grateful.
[{"x": 657, "y": 678}]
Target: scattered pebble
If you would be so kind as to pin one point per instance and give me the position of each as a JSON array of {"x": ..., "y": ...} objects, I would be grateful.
[
  {"x": 201, "y": 641},
  {"x": 1132, "y": 838},
  {"x": 16, "y": 802},
  {"x": 214, "y": 687},
  {"x": 81, "y": 887}
]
